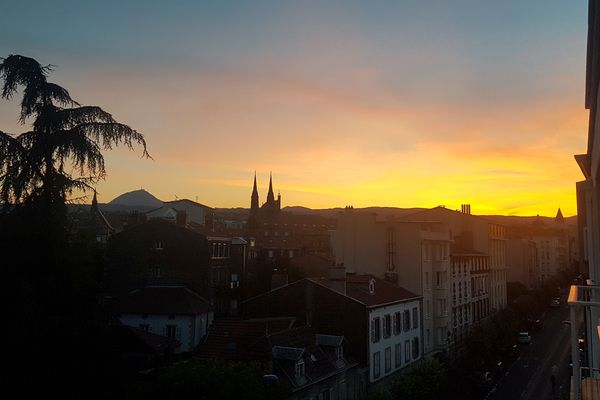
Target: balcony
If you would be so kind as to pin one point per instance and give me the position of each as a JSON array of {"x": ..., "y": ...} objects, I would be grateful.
[{"x": 588, "y": 388}]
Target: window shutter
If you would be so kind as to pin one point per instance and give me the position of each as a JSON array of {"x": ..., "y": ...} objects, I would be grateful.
[{"x": 373, "y": 330}]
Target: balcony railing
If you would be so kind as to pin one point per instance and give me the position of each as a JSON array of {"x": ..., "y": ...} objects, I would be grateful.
[{"x": 580, "y": 296}]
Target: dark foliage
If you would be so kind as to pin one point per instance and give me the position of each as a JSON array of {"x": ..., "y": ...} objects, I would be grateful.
[
  {"x": 50, "y": 275},
  {"x": 63, "y": 150},
  {"x": 206, "y": 380}
]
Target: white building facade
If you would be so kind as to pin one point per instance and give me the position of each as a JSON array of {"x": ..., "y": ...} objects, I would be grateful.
[{"x": 394, "y": 338}]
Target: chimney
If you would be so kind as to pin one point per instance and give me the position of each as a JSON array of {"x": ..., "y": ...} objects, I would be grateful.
[
  {"x": 465, "y": 208},
  {"x": 181, "y": 218},
  {"x": 392, "y": 277},
  {"x": 337, "y": 278}
]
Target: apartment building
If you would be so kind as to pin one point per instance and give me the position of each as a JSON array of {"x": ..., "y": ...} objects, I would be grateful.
[{"x": 414, "y": 255}]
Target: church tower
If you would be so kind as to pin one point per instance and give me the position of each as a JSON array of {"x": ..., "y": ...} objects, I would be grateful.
[
  {"x": 559, "y": 217},
  {"x": 270, "y": 195},
  {"x": 254, "y": 197}
]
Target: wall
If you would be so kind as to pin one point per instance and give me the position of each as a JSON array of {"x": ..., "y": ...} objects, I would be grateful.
[
  {"x": 189, "y": 329},
  {"x": 393, "y": 340}
]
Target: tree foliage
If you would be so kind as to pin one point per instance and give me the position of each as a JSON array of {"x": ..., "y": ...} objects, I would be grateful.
[
  {"x": 424, "y": 381},
  {"x": 63, "y": 150},
  {"x": 212, "y": 380}
]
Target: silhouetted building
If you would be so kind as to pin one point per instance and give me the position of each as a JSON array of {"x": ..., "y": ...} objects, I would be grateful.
[
  {"x": 588, "y": 209},
  {"x": 91, "y": 224},
  {"x": 522, "y": 263},
  {"x": 156, "y": 252},
  {"x": 227, "y": 271},
  {"x": 381, "y": 322},
  {"x": 268, "y": 210},
  {"x": 186, "y": 213},
  {"x": 554, "y": 245}
]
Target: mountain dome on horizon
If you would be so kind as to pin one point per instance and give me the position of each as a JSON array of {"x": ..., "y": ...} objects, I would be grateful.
[{"x": 138, "y": 197}]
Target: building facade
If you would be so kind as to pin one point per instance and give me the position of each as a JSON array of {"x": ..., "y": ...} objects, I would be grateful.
[{"x": 415, "y": 255}]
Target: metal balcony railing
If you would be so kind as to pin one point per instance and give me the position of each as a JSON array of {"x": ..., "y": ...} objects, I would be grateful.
[{"x": 580, "y": 296}]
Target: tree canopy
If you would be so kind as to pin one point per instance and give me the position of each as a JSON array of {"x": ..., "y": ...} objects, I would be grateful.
[{"x": 62, "y": 151}]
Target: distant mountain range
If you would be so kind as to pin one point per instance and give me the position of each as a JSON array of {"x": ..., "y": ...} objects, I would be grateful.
[{"x": 142, "y": 201}]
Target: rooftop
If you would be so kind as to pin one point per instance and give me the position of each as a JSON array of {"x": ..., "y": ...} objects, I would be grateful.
[{"x": 163, "y": 300}]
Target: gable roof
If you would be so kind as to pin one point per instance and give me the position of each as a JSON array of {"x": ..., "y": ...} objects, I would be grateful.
[
  {"x": 357, "y": 288},
  {"x": 163, "y": 300},
  {"x": 299, "y": 343},
  {"x": 237, "y": 339}
]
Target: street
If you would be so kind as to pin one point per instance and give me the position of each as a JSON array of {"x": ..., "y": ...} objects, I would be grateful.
[{"x": 529, "y": 376}]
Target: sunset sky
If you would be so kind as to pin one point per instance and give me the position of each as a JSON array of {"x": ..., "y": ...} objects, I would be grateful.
[{"x": 389, "y": 103}]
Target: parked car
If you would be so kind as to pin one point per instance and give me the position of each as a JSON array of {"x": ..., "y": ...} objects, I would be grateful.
[
  {"x": 566, "y": 322},
  {"x": 555, "y": 303},
  {"x": 513, "y": 351},
  {"x": 524, "y": 338},
  {"x": 535, "y": 324}
]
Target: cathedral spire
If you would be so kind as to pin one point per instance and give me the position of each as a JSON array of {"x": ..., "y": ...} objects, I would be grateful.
[
  {"x": 270, "y": 195},
  {"x": 254, "y": 197}
]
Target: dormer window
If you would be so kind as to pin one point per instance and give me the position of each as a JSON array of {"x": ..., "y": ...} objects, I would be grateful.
[
  {"x": 372, "y": 286},
  {"x": 300, "y": 369},
  {"x": 339, "y": 352}
]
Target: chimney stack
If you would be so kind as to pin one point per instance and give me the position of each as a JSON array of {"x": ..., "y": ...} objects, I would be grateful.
[
  {"x": 465, "y": 209},
  {"x": 337, "y": 277}
]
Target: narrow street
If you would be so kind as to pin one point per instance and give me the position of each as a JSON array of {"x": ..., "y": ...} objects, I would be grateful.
[{"x": 529, "y": 376}]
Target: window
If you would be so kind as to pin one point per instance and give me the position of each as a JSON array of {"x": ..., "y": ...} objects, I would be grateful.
[
  {"x": 387, "y": 321},
  {"x": 325, "y": 394},
  {"x": 375, "y": 330},
  {"x": 427, "y": 280},
  {"x": 407, "y": 350},
  {"x": 428, "y": 338},
  {"x": 271, "y": 253},
  {"x": 398, "y": 355},
  {"x": 388, "y": 359},
  {"x": 406, "y": 320},
  {"x": 427, "y": 308},
  {"x": 171, "y": 331},
  {"x": 415, "y": 348},
  {"x": 415, "y": 317},
  {"x": 144, "y": 327},
  {"x": 397, "y": 323},
  {"x": 300, "y": 369},
  {"x": 372, "y": 286},
  {"x": 158, "y": 245},
  {"x": 376, "y": 365},
  {"x": 339, "y": 352}
]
